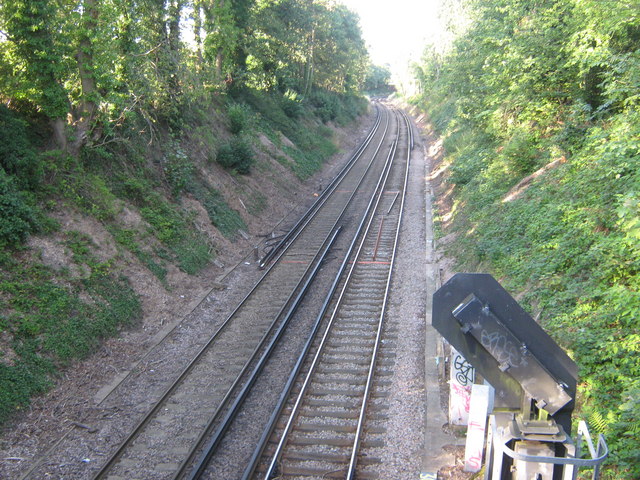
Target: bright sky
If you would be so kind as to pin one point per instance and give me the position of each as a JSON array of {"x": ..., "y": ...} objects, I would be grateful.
[{"x": 395, "y": 31}]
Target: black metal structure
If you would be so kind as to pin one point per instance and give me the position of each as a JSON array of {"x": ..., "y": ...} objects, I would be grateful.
[
  {"x": 507, "y": 347},
  {"x": 534, "y": 381}
]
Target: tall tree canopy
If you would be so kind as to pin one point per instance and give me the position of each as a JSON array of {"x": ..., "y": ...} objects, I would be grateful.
[
  {"x": 302, "y": 43},
  {"x": 85, "y": 64}
]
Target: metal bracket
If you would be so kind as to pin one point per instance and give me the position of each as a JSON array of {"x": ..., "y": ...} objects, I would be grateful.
[{"x": 511, "y": 353}]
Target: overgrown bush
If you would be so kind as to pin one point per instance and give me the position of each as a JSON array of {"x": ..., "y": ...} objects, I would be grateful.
[
  {"x": 225, "y": 219},
  {"x": 291, "y": 105},
  {"x": 19, "y": 214},
  {"x": 326, "y": 105},
  {"x": 173, "y": 228},
  {"x": 237, "y": 155},
  {"x": 50, "y": 322},
  {"x": 238, "y": 118},
  {"x": 178, "y": 169},
  {"x": 521, "y": 153},
  {"x": 18, "y": 156},
  {"x": 514, "y": 95},
  {"x": 268, "y": 106}
]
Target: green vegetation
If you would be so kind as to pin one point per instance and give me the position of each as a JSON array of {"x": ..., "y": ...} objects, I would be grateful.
[
  {"x": 238, "y": 118},
  {"x": 55, "y": 317},
  {"x": 20, "y": 171},
  {"x": 227, "y": 220},
  {"x": 236, "y": 155},
  {"x": 378, "y": 80},
  {"x": 312, "y": 142},
  {"x": 107, "y": 116},
  {"x": 538, "y": 106}
]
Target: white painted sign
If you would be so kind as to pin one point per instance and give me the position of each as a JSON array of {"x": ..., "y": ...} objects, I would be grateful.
[
  {"x": 479, "y": 409},
  {"x": 461, "y": 378}
]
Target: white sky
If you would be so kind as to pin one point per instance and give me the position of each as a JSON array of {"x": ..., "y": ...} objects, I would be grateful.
[{"x": 395, "y": 31}]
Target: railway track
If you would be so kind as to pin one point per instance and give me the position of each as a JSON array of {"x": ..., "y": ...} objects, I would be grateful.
[
  {"x": 201, "y": 402},
  {"x": 318, "y": 431}
]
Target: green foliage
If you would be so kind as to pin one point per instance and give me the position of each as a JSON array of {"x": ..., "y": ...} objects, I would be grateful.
[
  {"x": 300, "y": 45},
  {"x": 238, "y": 118},
  {"x": 227, "y": 220},
  {"x": 332, "y": 107},
  {"x": 113, "y": 85},
  {"x": 378, "y": 79},
  {"x": 178, "y": 169},
  {"x": 18, "y": 211},
  {"x": 237, "y": 155},
  {"x": 291, "y": 105},
  {"x": 32, "y": 26},
  {"x": 21, "y": 172},
  {"x": 521, "y": 153},
  {"x": 18, "y": 156},
  {"x": 69, "y": 179},
  {"x": 313, "y": 143},
  {"x": 326, "y": 105},
  {"x": 169, "y": 223},
  {"x": 49, "y": 324},
  {"x": 173, "y": 228},
  {"x": 101, "y": 63},
  {"x": 127, "y": 239},
  {"x": 513, "y": 95}
]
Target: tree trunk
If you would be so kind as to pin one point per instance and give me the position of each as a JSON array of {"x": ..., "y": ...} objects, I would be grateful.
[
  {"x": 197, "y": 31},
  {"x": 219, "y": 53},
  {"x": 175, "y": 7},
  {"x": 172, "y": 73},
  {"x": 59, "y": 134},
  {"x": 308, "y": 74},
  {"x": 85, "y": 60}
]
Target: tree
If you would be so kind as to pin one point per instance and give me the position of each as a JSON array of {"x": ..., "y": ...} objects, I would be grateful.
[
  {"x": 302, "y": 44},
  {"x": 551, "y": 87},
  {"x": 86, "y": 69},
  {"x": 31, "y": 28},
  {"x": 378, "y": 78}
]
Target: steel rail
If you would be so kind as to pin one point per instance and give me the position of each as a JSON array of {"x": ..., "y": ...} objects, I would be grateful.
[
  {"x": 251, "y": 466},
  {"x": 356, "y": 445},
  {"x": 161, "y": 402},
  {"x": 299, "y": 227},
  {"x": 325, "y": 194},
  {"x": 216, "y": 438},
  {"x": 340, "y": 176},
  {"x": 213, "y": 442},
  {"x": 305, "y": 385},
  {"x": 114, "y": 458}
]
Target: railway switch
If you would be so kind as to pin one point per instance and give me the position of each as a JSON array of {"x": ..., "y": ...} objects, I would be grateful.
[{"x": 534, "y": 381}]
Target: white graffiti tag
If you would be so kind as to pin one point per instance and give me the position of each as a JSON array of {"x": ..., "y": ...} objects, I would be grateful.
[{"x": 502, "y": 349}]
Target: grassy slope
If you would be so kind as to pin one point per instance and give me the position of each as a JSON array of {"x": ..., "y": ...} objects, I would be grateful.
[
  {"x": 567, "y": 243},
  {"x": 53, "y": 314}
]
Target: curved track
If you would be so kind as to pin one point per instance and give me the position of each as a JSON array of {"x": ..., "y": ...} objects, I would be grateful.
[{"x": 164, "y": 443}]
